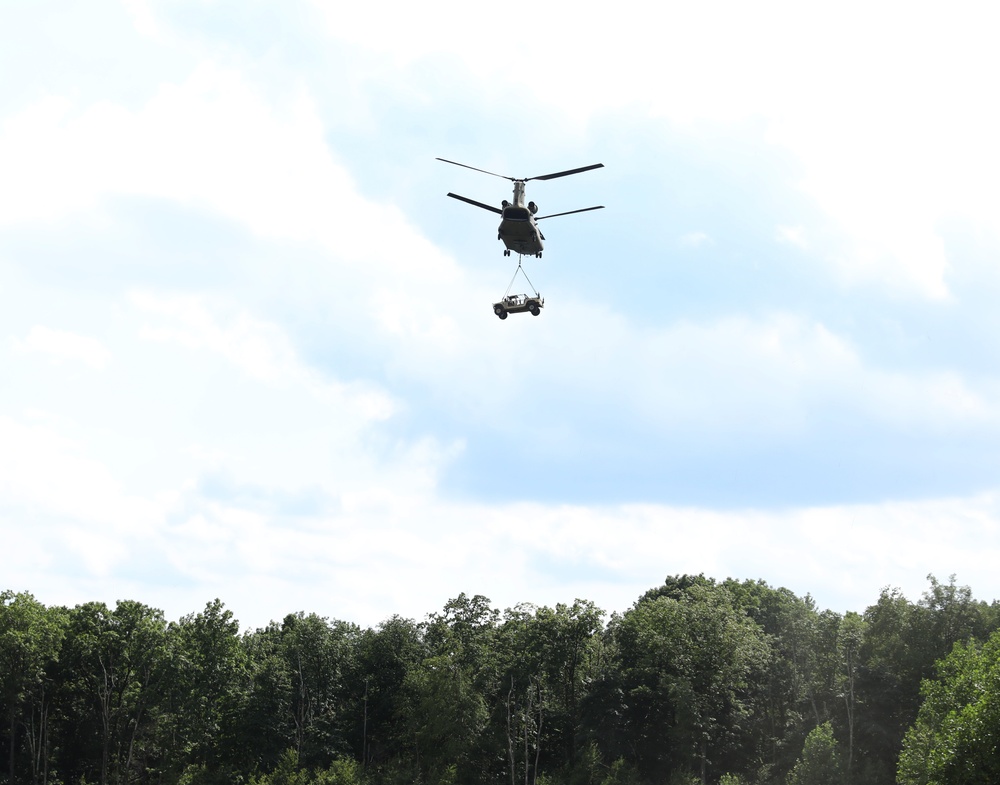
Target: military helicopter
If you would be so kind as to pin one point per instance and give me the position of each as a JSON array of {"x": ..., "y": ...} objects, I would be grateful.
[{"x": 519, "y": 229}]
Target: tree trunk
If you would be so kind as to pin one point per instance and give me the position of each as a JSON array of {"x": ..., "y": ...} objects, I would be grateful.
[
  {"x": 510, "y": 733},
  {"x": 525, "y": 714},
  {"x": 538, "y": 738},
  {"x": 13, "y": 738}
]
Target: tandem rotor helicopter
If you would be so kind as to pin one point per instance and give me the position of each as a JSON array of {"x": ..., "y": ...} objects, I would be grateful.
[
  {"x": 518, "y": 229},
  {"x": 519, "y": 232}
]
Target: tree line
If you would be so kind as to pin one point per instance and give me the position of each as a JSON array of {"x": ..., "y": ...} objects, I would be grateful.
[{"x": 731, "y": 682}]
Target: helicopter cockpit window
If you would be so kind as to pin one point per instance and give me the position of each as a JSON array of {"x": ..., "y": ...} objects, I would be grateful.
[{"x": 516, "y": 214}]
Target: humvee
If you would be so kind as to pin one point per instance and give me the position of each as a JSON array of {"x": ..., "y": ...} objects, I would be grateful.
[{"x": 519, "y": 303}]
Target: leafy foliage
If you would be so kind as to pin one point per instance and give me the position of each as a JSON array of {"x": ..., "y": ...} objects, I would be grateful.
[
  {"x": 736, "y": 683},
  {"x": 821, "y": 762},
  {"x": 956, "y": 738}
]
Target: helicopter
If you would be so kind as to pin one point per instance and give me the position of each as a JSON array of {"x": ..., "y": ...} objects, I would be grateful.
[{"x": 519, "y": 228}]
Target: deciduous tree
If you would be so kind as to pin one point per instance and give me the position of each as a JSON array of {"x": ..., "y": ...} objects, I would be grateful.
[{"x": 30, "y": 639}]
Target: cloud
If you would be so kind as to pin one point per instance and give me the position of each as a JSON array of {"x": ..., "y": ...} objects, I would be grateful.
[
  {"x": 792, "y": 235},
  {"x": 290, "y": 438},
  {"x": 47, "y": 474},
  {"x": 260, "y": 349},
  {"x": 210, "y": 142},
  {"x": 408, "y": 553},
  {"x": 881, "y": 109},
  {"x": 772, "y": 376},
  {"x": 696, "y": 239},
  {"x": 64, "y": 345},
  {"x": 889, "y": 142},
  {"x": 216, "y": 143}
]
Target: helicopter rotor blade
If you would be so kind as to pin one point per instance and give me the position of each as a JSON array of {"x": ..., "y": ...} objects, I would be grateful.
[
  {"x": 570, "y": 212},
  {"x": 466, "y": 199},
  {"x": 456, "y": 163},
  {"x": 564, "y": 174}
]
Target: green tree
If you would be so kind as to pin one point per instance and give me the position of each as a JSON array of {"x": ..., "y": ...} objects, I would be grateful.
[
  {"x": 206, "y": 693},
  {"x": 546, "y": 661},
  {"x": 689, "y": 663},
  {"x": 319, "y": 656},
  {"x": 447, "y": 718},
  {"x": 565, "y": 639},
  {"x": 902, "y": 642},
  {"x": 849, "y": 639},
  {"x": 263, "y": 730},
  {"x": 287, "y": 772},
  {"x": 114, "y": 666},
  {"x": 450, "y": 693},
  {"x": 956, "y": 737},
  {"x": 30, "y": 639},
  {"x": 385, "y": 657},
  {"x": 820, "y": 762},
  {"x": 796, "y": 693}
]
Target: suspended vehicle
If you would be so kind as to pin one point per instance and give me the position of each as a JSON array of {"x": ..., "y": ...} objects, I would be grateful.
[
  {"x": 519, "y": 303},
  {"x": 518, "y": 229}
]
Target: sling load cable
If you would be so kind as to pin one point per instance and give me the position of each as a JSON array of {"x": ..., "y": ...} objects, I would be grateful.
[{"x": 520, "y": 269}]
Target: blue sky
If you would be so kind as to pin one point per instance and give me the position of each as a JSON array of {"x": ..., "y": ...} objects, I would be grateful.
[{"x": 246, "y": 343}]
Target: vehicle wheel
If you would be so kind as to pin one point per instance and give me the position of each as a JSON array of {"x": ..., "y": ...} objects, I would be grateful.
[
  {"x": 502, "y": 314},
  {"x": 535, "y": 310}
]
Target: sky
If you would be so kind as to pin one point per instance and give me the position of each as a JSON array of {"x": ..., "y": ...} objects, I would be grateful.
[{"x": 247, "y": 348}]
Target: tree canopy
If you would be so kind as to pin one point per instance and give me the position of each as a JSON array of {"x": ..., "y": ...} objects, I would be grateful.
[{"x": 700, "y": 681}]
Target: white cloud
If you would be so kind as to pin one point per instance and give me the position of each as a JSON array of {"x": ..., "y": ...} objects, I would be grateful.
[
  {"x": 774, "y": 377},
  {"x": 369, "y": 559},
  {"x": 64, "y": 345},
  {"x": 45, "y": 472},
  {"x": 213, "y": 142},
  {"x": 318, "y": 501},
  {"x": 792, "y": 235},
  {"x": 210, "y": 142},
  {"x": 280, "y": 399},
  {"x": 891, "y": 141},
  {"x": 143, "y": 17},
  {"x": 696, "y": 239},
  {"x": 882, "y": 107}
]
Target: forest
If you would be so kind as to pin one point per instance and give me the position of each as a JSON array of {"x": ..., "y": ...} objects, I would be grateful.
[{"x": 699, "y": 681}]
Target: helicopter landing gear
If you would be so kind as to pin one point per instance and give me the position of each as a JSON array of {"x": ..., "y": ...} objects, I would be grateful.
[{"x": 506, "y": 251}]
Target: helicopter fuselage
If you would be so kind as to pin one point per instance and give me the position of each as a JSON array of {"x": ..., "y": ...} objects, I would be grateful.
[{"x": 518, "y": 230}]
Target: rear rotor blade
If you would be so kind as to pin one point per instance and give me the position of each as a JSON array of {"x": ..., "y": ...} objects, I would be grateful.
[
  {"x": 563, "y": 174},
  {"x": 466, "y": 199},
  {"x": 556, "y": 215},
  {"x": 456, "y": 163}
]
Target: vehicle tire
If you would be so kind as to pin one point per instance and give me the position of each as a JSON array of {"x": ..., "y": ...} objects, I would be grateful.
[
  {"x": 502, "y": 314},
  {"x": 535, "y": 310}
]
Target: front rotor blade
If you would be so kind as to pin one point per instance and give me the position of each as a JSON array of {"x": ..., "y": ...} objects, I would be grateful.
[
  {"x": 556, "y": 215},
  {"x": 456, "y": 163},
  {"x": 489, "y": 207},
  {"x": 563, "y": 174}
]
